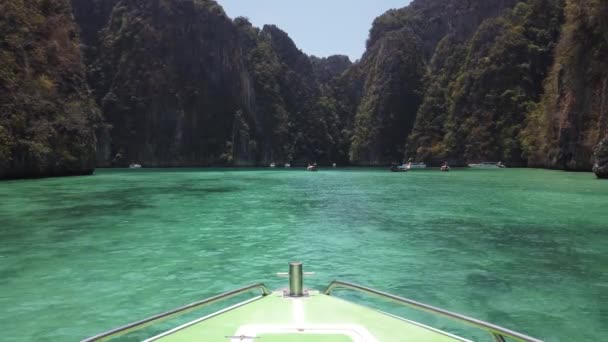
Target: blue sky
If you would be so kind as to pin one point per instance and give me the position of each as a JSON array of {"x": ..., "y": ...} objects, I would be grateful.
[{"x": 318, "y": 27}]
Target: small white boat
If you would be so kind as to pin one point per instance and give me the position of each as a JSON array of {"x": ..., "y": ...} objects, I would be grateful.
[
  {"x": 334, "y": 165},
  {"x": 400, "y": 168},
  {"x": 312, "y": 167},
  {"x": 273, "y": 165},
  {"x": 135, "y": 166},
  {"x": 416, "y": 165},
  {"x": 287, "y": 165}
]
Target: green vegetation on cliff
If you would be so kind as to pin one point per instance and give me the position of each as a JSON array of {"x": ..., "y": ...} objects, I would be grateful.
[
  {"x": 393, "y": 74},
  {"x": 572, "y": 116},
  {"x": 440, "y": 80},
  {"x": 479, "y": 90},
  {"x": 47, "y": 117},
  {"x": 527, "y": 87},
  {"x": 414, "y": 55},
  {"x": 181, "y": 84},
  {"x": 164, "y": 74}
]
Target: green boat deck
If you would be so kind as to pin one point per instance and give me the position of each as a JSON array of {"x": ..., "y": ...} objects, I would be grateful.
[{"x": 316, "y": 317}]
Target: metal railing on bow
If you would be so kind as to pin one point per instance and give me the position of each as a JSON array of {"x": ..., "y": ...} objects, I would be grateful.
[
  {"x": 498, "y": 333},
  {"x": 179, "y": 311}
]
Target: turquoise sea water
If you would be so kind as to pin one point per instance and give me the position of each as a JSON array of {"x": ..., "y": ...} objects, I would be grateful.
[{"x": 522, "y": 248}]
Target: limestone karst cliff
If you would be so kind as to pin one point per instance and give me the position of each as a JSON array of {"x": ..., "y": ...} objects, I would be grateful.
[
  {"x": 179, "y": 83},
  {"x": 47, "y": 116}
]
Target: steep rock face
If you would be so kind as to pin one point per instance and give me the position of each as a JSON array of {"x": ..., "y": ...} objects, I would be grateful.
[
  {"x": 572, "y": 116},
  {"x": 479, "y": 90},
  {"x": 92, "y": 16},
  {"x": 166, "y": 74},
  {"x": 182, "y": 84},
  {"x": 341, "y": 98},
  {"x": 601, "y": 159},
  {"x": 426, "y": 140},
  {"x": 403, "y": 44},
  {"x": 327, "y": 69},
  {"x": 299, "y": 91},
  {"x": 393, "y": 74},
  {"x": 47, "y": 116},
  {"x": 316, "y": 125},
  {"x": 290, "y": 118},
  {"x": 338, "y": 101},
  {"x": 432, "y": 20}
]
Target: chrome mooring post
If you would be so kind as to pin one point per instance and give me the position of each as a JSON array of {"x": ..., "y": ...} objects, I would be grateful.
[{"x": 296, "y": 279}]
